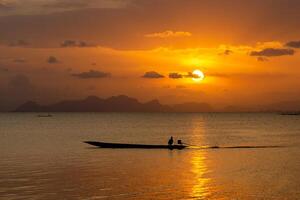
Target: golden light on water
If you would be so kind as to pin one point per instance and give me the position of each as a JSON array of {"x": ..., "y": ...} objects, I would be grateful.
[{"x": 200, "y": 189}]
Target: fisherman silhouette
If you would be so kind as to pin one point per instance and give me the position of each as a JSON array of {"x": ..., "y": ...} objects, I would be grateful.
[{"x": 170, "y": 142}]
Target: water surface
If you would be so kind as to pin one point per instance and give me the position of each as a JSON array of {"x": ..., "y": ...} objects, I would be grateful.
[{"x": 44, "y": 158}]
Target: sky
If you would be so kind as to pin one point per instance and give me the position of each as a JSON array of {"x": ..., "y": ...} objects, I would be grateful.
[{"x": 51, "y": 50}]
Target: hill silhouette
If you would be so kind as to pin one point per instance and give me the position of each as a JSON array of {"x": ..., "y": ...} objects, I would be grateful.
[{"x": 119, "y": 103}]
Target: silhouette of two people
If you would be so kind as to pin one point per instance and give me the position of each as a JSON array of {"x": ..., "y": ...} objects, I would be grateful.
[{"x": 171, "y": 141}]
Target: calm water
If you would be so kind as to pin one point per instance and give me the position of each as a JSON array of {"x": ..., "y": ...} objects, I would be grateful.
[{"x": 44, "y": 158}]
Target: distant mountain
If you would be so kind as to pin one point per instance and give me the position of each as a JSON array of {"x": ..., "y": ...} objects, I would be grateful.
[
  {"x": 284, "y": 106},
  {"x": 277, "y": 107},
  {"x": 120, "y": 103}
]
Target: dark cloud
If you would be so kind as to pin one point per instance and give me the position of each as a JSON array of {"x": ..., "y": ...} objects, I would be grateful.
[
  {"x": 5, "y": 7},
  {"x": 19, "y": 43},
  {"x": 85, "y": 44},
  {"x": 262, "y": 59},
  {"x": 52, "y": 60},
  {"x": 67, "y": 4},
  {"x": 226, "y": 52},
  {"x": 19, "y": 60},
  {"x": 74, "y": 43},
  {"x": 152, "y": 74},
  {"x": 169, "y": 34},
  {"x": 2, "y": 6},
  {"x": 92, "y": 74},
  {"x": 187, "y": 75},
  {"x": 191, "y": 75},
  {"x": 269, "y": 52},
  {"x": 175, "y": 75},
  {"x": 69, "y": 43},
  {"x": 293, "y": 44}
]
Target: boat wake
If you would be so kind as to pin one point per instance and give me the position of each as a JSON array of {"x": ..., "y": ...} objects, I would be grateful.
[{"x": 234, "y": 147}]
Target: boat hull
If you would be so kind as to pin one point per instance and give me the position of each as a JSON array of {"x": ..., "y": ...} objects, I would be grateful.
[{"x": 134, "y": 146}]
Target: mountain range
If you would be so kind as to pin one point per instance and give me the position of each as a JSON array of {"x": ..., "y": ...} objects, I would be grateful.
[
  {"x": 119, "y": 103},
  {"x": 123, "y": 103}
]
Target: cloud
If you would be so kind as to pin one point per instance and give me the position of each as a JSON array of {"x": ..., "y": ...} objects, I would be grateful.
[
  {"x": 52, "y": 60},
  {"x": 269, "y": 52},
  {"x": 82, "y": 4},
  {"x": 187, "y": 75},
  {"x": 152, "y": 74},
  {"x": 69, "y": 43},
  {"x": 2, "y": 6},
  {"x": 5, "y": 6},
  {"x": 92, "y": 74},
  {"x": 191, "y": 75},
  {"x": 74, "y": 43},
  {"x": 262, "y": 59},
  {"x": 168, "y": 34},
  {"x": 19, "y": 43},
  {"x": 293, "y": 44},
  {"x": 175, "y": 75},
  {"x": 67, "y": 4},
  {"x": 44, "y": 7},
  {"x": 19, "y": 60},
  {"x": 227, "y": 52}
]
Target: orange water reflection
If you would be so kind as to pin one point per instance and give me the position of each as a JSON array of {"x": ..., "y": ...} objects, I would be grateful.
[{"x": 201, "y": 189}]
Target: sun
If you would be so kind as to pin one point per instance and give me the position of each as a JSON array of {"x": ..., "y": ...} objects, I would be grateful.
[{"x": 198, "y": 75}]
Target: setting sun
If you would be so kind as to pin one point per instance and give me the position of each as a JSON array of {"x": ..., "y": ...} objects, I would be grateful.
[{"x": 198, "y": 75}]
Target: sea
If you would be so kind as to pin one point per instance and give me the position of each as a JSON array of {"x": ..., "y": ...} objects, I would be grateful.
[{"x": 45, "y": 157}]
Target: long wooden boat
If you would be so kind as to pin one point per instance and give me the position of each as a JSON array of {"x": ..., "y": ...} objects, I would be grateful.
[
  {"x": 290, "y": 113},
  {"x": 45, "y": 115},
  {"x": 136, "y": 146}
]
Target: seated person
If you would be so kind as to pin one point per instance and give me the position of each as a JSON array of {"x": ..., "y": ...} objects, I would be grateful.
[{"x": 170, "y": 142}]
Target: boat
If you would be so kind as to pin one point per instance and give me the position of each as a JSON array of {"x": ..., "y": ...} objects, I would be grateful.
[
  {"x": 45, "y": 115},
  {"x": 290, "y": 113},
  {"x": 135, "y": 146}
]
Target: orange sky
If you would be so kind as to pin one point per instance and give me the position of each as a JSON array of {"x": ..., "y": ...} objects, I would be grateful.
[{"x": 52, "y": 50}]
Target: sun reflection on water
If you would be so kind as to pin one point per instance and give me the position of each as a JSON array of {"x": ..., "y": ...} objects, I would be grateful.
[{"x": 200, "y": 190}]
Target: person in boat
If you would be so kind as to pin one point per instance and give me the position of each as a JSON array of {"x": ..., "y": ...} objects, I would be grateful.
[
  {"x": 170, "y": 142},
  {"x": 179, "y": 142}
]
